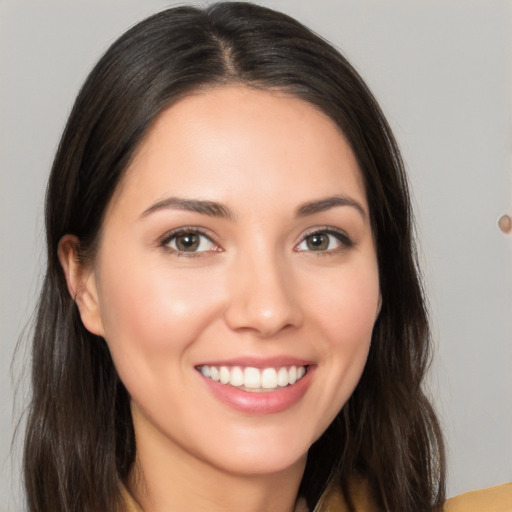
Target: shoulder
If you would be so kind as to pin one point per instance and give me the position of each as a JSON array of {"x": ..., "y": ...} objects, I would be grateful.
[{"x": 493, "y": 499}]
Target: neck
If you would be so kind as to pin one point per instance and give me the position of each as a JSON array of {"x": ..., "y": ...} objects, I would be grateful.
[{"x": 172, "y": 479}]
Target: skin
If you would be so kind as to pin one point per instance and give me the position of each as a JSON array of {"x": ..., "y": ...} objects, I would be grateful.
[{"x": 255, "y": 289}]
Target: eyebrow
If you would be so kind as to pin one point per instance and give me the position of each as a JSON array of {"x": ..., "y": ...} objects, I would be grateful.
[
  {"x": 214, "y": 209},
  {"x": 210, "y": 208},
  {"x": 327, "y": 203}
]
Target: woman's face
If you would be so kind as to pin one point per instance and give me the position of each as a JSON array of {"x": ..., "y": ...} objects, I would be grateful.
[{"x": 236, "y": 280}]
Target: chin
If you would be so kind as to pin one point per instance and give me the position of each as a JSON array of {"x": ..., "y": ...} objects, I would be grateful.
[
  {"x": 262, "y": 464},
  {"x": 267, "y": 453}
]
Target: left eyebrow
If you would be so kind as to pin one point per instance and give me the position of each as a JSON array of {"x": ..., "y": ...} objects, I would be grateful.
[{"x": 322, "y": 205}]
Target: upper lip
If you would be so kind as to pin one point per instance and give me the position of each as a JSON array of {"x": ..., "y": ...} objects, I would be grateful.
[{"x": 258, "y": 362}]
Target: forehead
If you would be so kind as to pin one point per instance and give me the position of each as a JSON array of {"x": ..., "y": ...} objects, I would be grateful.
[{"x": 223, "y": 140}]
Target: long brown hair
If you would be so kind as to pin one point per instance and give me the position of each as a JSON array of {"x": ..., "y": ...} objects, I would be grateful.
[{"x": 80, "y": 443}]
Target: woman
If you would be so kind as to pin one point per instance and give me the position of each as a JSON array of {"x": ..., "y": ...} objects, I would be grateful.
[{"x": 231, "y": 316}]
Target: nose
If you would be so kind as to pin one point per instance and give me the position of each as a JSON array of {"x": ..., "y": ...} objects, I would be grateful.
[{"x": 263, "y": 297}]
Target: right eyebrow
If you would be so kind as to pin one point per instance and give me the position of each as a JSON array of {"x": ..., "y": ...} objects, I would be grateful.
[{"x": 210, "y": 208}]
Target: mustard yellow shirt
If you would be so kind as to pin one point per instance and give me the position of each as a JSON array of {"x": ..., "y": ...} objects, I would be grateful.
[{"x": 494, "y": 499}]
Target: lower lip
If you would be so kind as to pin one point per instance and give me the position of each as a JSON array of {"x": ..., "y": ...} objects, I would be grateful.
[{"x": 260, "y": 402}]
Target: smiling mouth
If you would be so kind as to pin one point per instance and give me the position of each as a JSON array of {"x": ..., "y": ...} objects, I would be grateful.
[{"x": 254, "y": 379}]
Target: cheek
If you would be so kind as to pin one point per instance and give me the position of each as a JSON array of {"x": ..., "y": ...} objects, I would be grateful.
[
  {"x": 346, "y": 314},
  {"x": 348, "y": 304},
  {"x": 147, "y": 310}
]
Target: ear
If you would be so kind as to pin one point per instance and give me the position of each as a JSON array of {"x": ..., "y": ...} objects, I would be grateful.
[
  {"x": 81, "y": 281},
  {"x": 379, "y": 306}
]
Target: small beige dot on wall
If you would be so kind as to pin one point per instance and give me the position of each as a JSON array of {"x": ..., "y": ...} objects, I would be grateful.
[{"x": 505, "y": 223}]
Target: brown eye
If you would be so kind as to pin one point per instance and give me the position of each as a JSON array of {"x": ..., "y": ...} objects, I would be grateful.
[
  {"x": 327, "y": 240},
  {"x": 189, "y": 242},
  {"x": 317, "y": 242}
]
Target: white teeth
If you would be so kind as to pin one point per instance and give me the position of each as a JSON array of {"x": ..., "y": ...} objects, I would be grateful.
[
  {"x": 282, "y": 377},
  {"x": 214, "y": 373},
  {"x": 269, "y": 378},
  {"x": 253, "y": 378},
  {"x": 237, "y": 376},
  {"x": 292, "y": 375},
  {"x": 224, "y": 375}
]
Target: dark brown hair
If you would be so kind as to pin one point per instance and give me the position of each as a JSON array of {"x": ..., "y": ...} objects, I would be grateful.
[{"x": 80, "y": 444}]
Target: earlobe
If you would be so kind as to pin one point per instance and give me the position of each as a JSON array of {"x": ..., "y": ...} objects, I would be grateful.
[{"x": 81, "y": 282}]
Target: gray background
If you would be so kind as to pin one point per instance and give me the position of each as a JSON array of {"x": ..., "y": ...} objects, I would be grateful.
[{"x": 442, "y": 72}]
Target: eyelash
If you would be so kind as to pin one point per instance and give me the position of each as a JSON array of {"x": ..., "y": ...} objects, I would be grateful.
[{"x": 343, "y": 239}]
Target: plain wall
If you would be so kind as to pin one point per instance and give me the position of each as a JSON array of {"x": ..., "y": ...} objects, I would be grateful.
[{"x": 442, "y": 72}]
